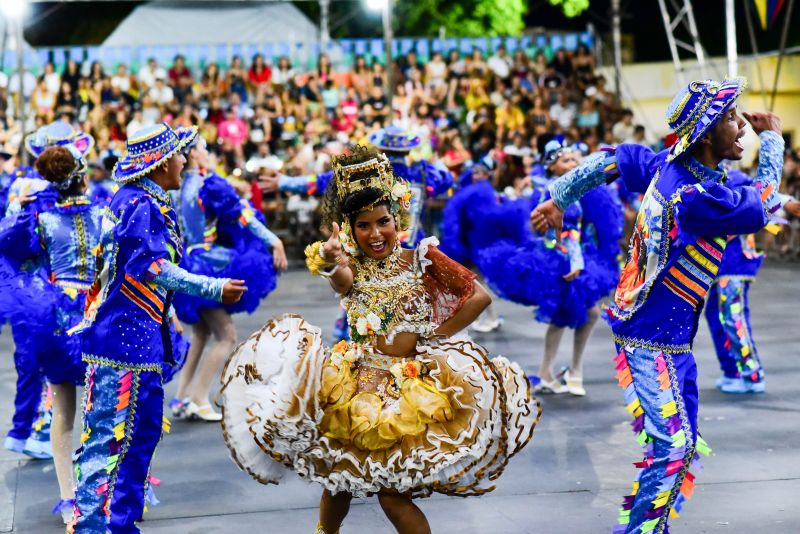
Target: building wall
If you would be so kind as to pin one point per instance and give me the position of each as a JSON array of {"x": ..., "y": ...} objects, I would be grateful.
[{"x": 648, "y": 88}]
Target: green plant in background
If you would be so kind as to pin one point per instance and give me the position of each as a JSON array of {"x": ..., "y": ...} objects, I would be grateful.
[
  {"x": 467, "y": 18},
  {"x": 571, "y": 8}
]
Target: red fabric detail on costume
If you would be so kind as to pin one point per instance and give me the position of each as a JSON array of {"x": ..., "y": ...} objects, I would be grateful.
[{"x": 448, "y": 283}]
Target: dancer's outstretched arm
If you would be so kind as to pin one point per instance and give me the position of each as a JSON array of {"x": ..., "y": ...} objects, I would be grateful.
[
  {"x": 716, "y": 209},
  {"x": 635, "y": 164}
]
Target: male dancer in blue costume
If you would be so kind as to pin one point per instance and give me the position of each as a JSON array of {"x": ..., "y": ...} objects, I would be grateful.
[
  {"x": 680, "y": 234},
  {"x": 728, "y": 308},
  {"x": 126, "y": 331}
]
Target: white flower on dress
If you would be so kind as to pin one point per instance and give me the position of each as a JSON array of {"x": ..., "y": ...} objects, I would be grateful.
[
  {"x": 367, "y": 326},
  {"x": 397, "y": 370}
]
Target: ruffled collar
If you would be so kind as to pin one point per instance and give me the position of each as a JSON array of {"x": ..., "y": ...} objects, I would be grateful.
[
  {"x": 154, "y": 189},
  {"x": 703, "y": 173}
]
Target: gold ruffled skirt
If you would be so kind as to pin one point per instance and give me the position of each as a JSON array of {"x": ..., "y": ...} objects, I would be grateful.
[{"x": 446, "y": 421}]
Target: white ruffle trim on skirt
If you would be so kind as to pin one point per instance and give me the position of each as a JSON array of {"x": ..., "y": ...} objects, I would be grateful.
[{"x": 272, "y": 412}]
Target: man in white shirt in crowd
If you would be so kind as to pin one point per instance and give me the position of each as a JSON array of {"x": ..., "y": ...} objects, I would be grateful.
[
  {"x": 161, "y": 93},
  {"x": 563, "y": 112},
  {"x": 500, "y": 63},
  {"x": 148, "y": 73},
  {"x": 122, "y": 79},
  {"x": 623, "y": 130}
]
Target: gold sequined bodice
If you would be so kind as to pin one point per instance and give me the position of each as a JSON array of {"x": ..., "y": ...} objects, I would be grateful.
[{"x": 388, "y": 297}]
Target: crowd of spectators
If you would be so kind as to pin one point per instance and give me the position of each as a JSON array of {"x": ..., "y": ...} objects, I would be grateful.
[{"x": 262, "y": 117}]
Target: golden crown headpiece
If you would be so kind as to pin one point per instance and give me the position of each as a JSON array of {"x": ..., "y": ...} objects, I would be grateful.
[{"x": 364, "y": 167}]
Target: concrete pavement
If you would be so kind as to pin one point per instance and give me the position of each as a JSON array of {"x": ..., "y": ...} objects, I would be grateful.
[{"x": 570, "y": 479}]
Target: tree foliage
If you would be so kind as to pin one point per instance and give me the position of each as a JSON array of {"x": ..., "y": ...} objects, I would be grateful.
[
  {"x": 465, "y": 18},
  {"x": 571, "y": 8}
]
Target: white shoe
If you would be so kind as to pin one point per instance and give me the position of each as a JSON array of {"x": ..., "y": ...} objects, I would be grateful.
[
  {"x": 484, "y": 327},
  {"x": 555, "y": 387},
  {"x": 738, "y": 386},
  {"x": 202, "y": 413},
  {"x": 14, "y": 444},
  {"x": 574, "y": 385},
  {"x": 41, "y": 450}
]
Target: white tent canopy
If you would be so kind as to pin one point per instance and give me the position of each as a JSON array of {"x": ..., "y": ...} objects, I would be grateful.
[{"x": 185, "y": 23}]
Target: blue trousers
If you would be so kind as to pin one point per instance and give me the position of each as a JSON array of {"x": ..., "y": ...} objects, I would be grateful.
[
  {"x": 661, "y": 394},
  {"x": 29, "y": 400},
  {"x": 728, "y": 316},
  {"x": 122, "y": 425}
]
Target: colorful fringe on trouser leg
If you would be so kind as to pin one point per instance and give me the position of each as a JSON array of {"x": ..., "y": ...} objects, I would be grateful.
[
  {"x": 28, "y": 395},
  {"x": 661, "y": 394},
  {"x": 122, "y": 424},
  {"x": 731, "y": 330},
  {"x": 720, "y": 338}
]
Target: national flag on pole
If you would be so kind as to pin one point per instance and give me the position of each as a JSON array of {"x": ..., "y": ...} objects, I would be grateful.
[{"x": 768, "y": 11}]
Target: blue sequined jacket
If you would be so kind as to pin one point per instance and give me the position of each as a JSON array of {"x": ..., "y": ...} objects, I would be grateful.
[
  {"x": 679, "y": 236},
  {"x": 126, "y": 317},
  {"x": 61, "y": 243}
]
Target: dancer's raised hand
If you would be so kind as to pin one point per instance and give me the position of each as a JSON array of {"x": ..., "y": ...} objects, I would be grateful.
[
  {"x": 332, "y": 249},
  {"x": 763, "y": 121}
]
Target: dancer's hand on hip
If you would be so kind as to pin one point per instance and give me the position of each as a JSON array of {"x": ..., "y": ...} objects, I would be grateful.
[
  {"x": 763, "y": 121},
  {"x": 547, "y": 215},
  {"x": 232, "y": 291}
]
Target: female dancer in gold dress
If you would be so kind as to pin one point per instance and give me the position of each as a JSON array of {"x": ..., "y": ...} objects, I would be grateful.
[{"x": 408, "y": 407}]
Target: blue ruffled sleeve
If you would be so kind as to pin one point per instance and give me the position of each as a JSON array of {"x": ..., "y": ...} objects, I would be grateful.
[
  {"x": 770, "y": 170},
  {"x": 636, "y": 165},
  {"x": 709, "y": 208},
  {"x": 19, "y": 239},
  {"x": 596, "y": 170},
  {"x": 220, "y": 200},
  {"x": 712, "y": 209},
  {"x": 141, "y": 235},
  {"x": 295, "y": 184}
]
